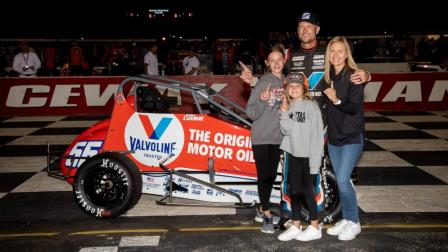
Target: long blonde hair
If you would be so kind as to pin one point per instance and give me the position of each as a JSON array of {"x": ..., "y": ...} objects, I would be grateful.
[{"x": 349, "y": 61}]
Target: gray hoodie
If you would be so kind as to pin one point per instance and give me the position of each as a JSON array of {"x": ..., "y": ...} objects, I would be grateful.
[
  {"x": 303, "y": 129},
  {"x": 264, "y": 114}
]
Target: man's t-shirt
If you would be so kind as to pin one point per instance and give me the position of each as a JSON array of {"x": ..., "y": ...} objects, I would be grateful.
[{"x": 312, "y": 64}]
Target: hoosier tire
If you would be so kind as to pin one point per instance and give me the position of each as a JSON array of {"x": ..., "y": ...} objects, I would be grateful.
[{"x": 107, "y": 185}]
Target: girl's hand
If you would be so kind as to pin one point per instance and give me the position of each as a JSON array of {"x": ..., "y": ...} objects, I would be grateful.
[
  {"x": 264, "y": 96},
  {"x": 284, "y": 105},
  {"x": 246, "y": 73}
]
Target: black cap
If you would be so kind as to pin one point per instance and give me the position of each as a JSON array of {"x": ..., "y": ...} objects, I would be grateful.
[{"x": 309, "y": 17}]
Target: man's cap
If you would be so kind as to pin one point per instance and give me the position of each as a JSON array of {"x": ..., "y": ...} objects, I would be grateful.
[
  {"x": 295, "y": 78},
  {"x": 309, "y": 17}
]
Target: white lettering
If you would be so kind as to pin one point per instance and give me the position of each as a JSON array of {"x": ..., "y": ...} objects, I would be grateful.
[
  {"x": 413, "y": 92},
  {"x": 61, "y": 95},
  {"x": 438, "y": 91},
  {"x": 199, "y": 135},
  {"x": 16, "y": 96},
  {"x": 93, "y": 96},
  {"x": 209, "y": 150},
  {"x": 371, "y": 91}
]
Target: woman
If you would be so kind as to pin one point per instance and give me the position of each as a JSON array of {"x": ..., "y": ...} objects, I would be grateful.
[{"x": 345, "y": 131}]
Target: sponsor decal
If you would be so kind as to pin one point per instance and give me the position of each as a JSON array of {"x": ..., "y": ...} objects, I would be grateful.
[
  {"x": 98, "y": 212},
  {"x": 314, "y": 79},
  {"x": 297, "y": 58},
  {"x": 251, "y": 193},
  {"x": 81, "y": 151},
  {"x": 153, "y": 137},
  {"x": 193, "y": 118},
  {"x": 236, "y": 190},
  {"x": 220, "y": 145}
]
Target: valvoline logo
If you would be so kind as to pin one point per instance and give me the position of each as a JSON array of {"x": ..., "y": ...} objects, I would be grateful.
[
  {"x": 160, "y": 128},
  {"x": 153, "y": 137}
]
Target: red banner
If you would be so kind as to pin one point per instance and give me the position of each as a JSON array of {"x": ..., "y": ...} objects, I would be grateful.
[{"x": 94, "y": 95}]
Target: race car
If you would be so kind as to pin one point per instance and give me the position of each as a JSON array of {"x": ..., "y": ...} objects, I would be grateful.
[{"x": 196, "y": 147}]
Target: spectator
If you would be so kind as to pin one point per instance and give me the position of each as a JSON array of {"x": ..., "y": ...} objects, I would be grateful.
[
  {"x": 191, "y": 63},
  {"x": 50, "y": 61},
  {"x": 26, "y": 63},
  {"x": 76, "y": 58},
  {"x": 151, "y": 64}
]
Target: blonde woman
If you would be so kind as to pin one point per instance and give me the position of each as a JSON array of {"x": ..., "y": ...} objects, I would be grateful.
[{"x": 345, "y": 113}]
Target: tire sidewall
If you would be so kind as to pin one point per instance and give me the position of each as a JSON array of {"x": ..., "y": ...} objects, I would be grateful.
[{"x": 89, "y": 169}]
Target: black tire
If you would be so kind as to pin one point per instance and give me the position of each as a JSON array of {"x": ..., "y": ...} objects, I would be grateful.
[
  {"x": 332, "y": 211},
  {"x": 107, "y": 185}
]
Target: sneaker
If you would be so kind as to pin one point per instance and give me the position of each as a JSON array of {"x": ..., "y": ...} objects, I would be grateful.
[
  {"x": 291, "y": 233},
  {"x": 337, "y": 228},
  {"x": 259, "y": 217},
  {"x": 350, "y": 232},
  {"x": 310, "y": 233},
  {"x": 268, "y": 226}
]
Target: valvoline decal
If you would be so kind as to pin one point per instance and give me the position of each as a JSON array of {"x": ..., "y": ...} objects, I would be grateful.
[{"x": 153, "y": 137}]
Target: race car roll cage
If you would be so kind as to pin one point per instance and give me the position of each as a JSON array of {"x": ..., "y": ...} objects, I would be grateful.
[{"x": 196, "y": 92}]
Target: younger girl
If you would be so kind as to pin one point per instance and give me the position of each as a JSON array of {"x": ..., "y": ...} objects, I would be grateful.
[{"x": 301, "y": 123}]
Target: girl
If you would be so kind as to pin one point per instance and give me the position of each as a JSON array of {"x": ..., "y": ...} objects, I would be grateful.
[
  {"x": 301, "y": 123},
  {"x": 262, "y": 109},
  {"x": 345, "y": 131}
]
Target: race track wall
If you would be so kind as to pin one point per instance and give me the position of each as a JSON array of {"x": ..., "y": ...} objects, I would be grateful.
[{"x": 94, "y": 95}]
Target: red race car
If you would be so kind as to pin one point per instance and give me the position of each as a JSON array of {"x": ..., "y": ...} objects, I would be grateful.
[{"x": 200, "y": 151}]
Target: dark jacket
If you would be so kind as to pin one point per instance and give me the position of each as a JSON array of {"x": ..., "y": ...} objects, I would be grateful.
[{"x": 346, "y": 120}]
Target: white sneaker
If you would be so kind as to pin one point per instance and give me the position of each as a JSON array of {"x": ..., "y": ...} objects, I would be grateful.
[
  {"x": 310, "y": 233},
  {"x": 337, "y": 228},
  {"x": 291, "y": 233},
  {"x": 350, "y": 232}
]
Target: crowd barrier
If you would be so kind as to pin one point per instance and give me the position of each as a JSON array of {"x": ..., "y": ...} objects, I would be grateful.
[{"x": 42, "y": 96}]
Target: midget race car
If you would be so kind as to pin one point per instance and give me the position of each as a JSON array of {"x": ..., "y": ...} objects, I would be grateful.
[{"x": 198, "y": 148}]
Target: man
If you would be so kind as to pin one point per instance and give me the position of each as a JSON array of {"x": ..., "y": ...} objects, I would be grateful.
[
  {"x": 190, "y": 64},
  {"x": 151, "y": 64},
  {"x": 26, "y": 63},
  {"x": 309, "y": 59}
]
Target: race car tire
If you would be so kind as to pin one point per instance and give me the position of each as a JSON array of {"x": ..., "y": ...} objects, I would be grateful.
[
  {"x": 107, "y": 185},
  {"x": 332, "y": 211}
]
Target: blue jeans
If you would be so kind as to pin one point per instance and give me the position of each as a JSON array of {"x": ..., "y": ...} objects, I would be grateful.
[{"x": 344, "y": 159}]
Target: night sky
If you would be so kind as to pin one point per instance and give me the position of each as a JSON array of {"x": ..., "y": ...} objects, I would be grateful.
[{"x": 213, "y": 18}]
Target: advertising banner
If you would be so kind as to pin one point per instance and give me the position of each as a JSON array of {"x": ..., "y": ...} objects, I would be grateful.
[{"x": 94, "y": 95}]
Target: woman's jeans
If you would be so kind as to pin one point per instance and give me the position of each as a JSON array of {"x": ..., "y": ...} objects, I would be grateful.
[{"x": 344, "y": 159}]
